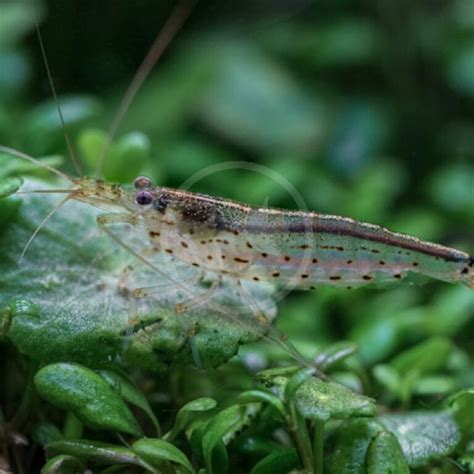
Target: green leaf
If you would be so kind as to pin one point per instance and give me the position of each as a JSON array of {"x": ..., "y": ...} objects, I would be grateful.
[
  {"x": 252, "y": 396},
  {"x": 63, "y": 464},
  {"x": 423, "y": 436},
  {"x": 253, "y": 101},
  {"x": 467, "y": 462},
  {"x": 363, "y": 446},
  {"x": 45, "y": 433},
  {"x": 295, "y": 382},
  {"x": 428, "y": 356},
  {"x": 351, "y": 443},
  {"x": 156, "y": 451},
  {"x": 83, "y": 318},
  {"x": 385, "y": 455},
  {"x": 462, "y": 409},
  {"x": 278, "y": 462},
  {"x": 129, "y": 392},
  {"x": 10, "y": 185},
  {"x": 333, "y": 355},
  {"x": 187, "y": 412},
  {"x": 43, "y": 129},
  {"x": 317, "y": 399},
  {"x": 82, "y": 391},
  {"x": 224, "y": 426},
  {"x": 95, "y": 452}
]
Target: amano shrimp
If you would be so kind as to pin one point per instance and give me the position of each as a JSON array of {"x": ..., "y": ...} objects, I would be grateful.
[{"x": 233, "y": 243}]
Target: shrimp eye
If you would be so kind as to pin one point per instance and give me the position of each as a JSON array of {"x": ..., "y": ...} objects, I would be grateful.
[
  {"x": 142, "y": 182},
  {"x": 143, "y": 198}
]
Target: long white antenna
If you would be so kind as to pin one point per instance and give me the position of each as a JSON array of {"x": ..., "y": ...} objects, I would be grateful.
[
  {"x": 29, "y": 158},
  {"x": 67, "y": 137},
  {"x": 162, "y": 41},
  {"x": 43, "y": 222}
]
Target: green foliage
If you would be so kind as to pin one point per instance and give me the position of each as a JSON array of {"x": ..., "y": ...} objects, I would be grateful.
[{"x": 367, "y": 110}]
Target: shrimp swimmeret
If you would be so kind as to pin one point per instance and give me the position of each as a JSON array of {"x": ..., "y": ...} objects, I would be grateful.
[{"x": 235, "y": 242}]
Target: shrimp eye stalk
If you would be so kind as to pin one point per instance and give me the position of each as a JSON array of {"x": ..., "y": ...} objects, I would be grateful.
[{"x": 142, "y": 182}]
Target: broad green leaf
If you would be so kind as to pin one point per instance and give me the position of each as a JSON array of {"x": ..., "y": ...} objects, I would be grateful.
[
  {"x": 133, "y": 148},
  {"x": 95, "y": 452},
  {"x": 18, "y": 19},
  {"x": 385, "y": 455},
  {"x": 426, "y": 357},
  {"x": 321, "y": 400},
  {"x": 278, "y": 462},
  {"x": 84, "y": 392},
  {"x": 63, "y": 464},
  {"x": 364, "y": 447},
  {"x": 423, "y": 436},
  {"x": 12, "y": 165},
  {"x": 43, "y": 129},
  {"x": 10, "y": 185},
  {"x": 253, "y": 101},
  {"x": 72, "y": 272},
  {"x": 224, "y": 426},
  {"x": 186, "y": 414},
  {"x": 129, "y": 392},
  {"x": 156, "y": 451},
  {"x": 462, "y": 409},
  {"x": 351, "y": 442}
]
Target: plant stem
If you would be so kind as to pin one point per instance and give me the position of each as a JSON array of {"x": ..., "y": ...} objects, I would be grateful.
[
  {"x": 297, "y": 425},
  {"x": 318, "y": 447}
]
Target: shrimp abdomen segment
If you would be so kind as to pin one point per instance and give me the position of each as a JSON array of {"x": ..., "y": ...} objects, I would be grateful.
[{"x": 302, "y": 248}]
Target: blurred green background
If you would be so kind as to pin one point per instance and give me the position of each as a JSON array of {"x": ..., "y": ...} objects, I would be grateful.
[{"x": 367, "y": 108}]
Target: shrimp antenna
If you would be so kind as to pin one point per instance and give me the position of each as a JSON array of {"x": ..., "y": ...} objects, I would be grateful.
[
  {"x": 67, "y": 137},
  {"x": 41, "y": 225},
  {"x": 161, "y": 43},
  {"x": 29, "y": 158}
]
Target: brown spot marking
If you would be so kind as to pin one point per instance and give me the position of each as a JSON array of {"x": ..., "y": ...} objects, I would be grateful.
[
  {"x": 168, "y": 251},
  {"x": 304, "y": 275},
  {"x": 340, "y": 248},
  {"x": 264, "y": 254},
  {"x": 209, "y": 257},
  {"x": 211, "y": 240},
  {"x": 315, "y": 260},
  {"x": 256, "y": 279},
  {"x": 312, "y": 287},
  {"x": 240, "y": 260},
  {"x": 304, "y": 246},
  {"x": 375, "y": 251},
  {"x": 349, "y": 262},
  {"x": 154, "y": 233},
  {"x": 223, "y": 257},
  {"x": 397, "y": 276},
  {"x": 367, "y": 277},
  {"x": 335, "y": 278},
  {"x": 465, "y": 271},
  {"x": 415, "y": 264},
  {"x": 184, "y": 244},
  {"x": 195, "y": 264},
  {"x": 249, "y": 245},
  {"x": 235, "y": 232},
  {"x": 382, "y": 262},
  {"x": 287, "y": 258},
  {"x": 203, "y": 242},
  {"x": 226, "y": 242},
  {"x": 276, "y": 274}
]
